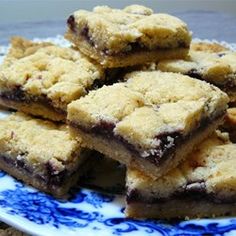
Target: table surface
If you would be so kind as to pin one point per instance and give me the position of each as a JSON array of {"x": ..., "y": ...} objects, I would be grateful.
[{"x": 205, "y": 25}]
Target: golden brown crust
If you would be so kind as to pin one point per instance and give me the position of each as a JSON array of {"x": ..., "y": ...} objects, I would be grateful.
[
  {"x": 179, "y": 209},
  {"x": 136, "y": 58},
  {"x": 37, "y": 109},
  {"x": 208, "y": 47},
  {"x": 58, "y": 191}
]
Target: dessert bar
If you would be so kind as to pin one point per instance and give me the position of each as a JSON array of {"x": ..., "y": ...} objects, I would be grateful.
[
  {"x": 20, "y": 48},
  {"x": 151, "y": 121},
  {"x": 202, "y": 186},
  {"x": 40, "y": 153},
  {"x": 229, "y": 124},
  {"x": 134, "y": 35},
  {"x": 210, "y": 62},
  {"x": 41, "y": 79}
]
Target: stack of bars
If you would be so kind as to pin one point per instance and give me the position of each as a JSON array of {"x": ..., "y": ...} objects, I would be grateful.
[{"x": 134, "y": 88}]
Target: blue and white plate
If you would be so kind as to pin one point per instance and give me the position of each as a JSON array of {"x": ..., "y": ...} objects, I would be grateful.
[{"x": 88, "y": 212}]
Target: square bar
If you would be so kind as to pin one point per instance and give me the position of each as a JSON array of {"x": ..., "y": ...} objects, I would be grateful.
[
  {"x": 40, "y": 153},
  {"x": 41, "y": 79},
  {"x": 210, "y": 62},
  {"x": 202, "y": 186},
  {"x": 134, "y": 35},
  {"x": 150, "y": 122}
]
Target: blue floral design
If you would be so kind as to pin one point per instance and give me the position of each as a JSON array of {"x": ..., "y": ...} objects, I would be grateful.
[
  {"x": 211, "y": 228},
  {"x": 123, "y": 225},
  {"x": 97, "y": 199},
  {"x": 43, "y": 209}
]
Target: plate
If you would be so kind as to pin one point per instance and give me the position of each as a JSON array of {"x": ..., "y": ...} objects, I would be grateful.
[{"x": 88, "y": 212}]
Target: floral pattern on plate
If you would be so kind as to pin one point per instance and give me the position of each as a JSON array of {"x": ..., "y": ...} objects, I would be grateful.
[{"x": 90, "y": 212}]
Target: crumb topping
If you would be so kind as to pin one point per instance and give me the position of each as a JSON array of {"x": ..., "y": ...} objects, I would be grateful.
[
  {"x": 149, "y": 104},
  {"x": 210, "y": 168},
  {"x": 25, "y": 137},
  {"x": 39, "y": 69},
  {"x": 212, "y": 63},
  {"x": 115, "y": 30}
]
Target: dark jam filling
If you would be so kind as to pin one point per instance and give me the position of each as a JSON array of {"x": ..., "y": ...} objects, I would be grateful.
[
  {"x": 165, "y": 150},
  {"x": 221, "y": 54},
  {"x": 134, "y": 47},
  {"x": 71, "y": 23},
  {"x": 48, "y": 177},
  {"x": 168, "y": 141},
  {"x": 85, "y": 34},
  {"x": 115, "y": 75},
  {"x": 191, "y": 191},
  {"x": 18, "y": 95},
  {"x": 112, "y": 76},
  {"x": 104, "y": 128},
  {"x": 228, "y": 85},
  {"x": 195, "y": 74},
  {"x": 129, "y": 49}
]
